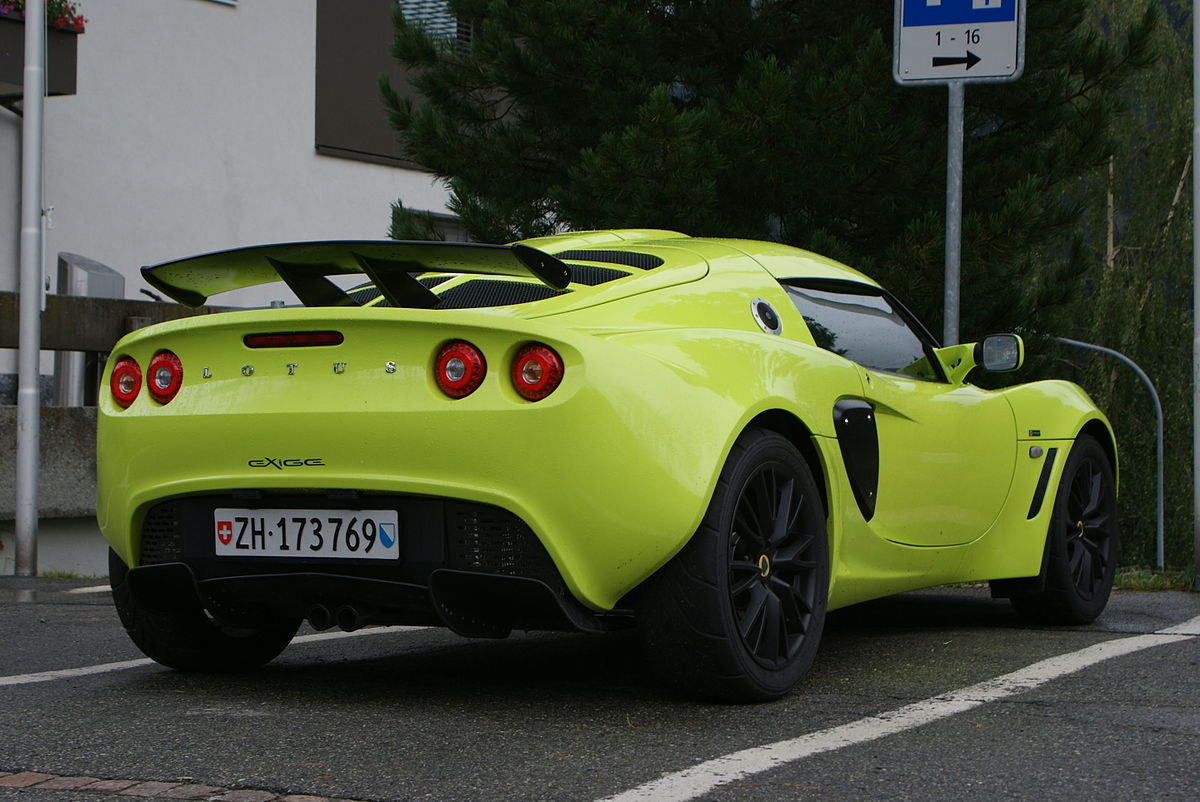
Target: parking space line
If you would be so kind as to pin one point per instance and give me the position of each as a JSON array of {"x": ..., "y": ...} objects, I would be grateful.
[
  {"x": 698, "y": 780},
  {"x": 91, "y": 589},
  {"x": 104, "y": 668},
  {"x": 67, "y": 673}
]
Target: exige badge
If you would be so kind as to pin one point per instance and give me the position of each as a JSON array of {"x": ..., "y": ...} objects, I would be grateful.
[{"x": 279, "y": 463}]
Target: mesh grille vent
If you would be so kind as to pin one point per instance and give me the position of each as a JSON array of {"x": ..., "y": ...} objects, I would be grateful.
[
  {"x": 493, "y": 541},
  {"x": 161, "y": 542},
  {"x": 433, "y": 281},
  {"x": 363, "y": 294},
  {"x": 484, "y": 293},
  {"x": 591, "y": 276},
  {"x": 642, "y": 261}
]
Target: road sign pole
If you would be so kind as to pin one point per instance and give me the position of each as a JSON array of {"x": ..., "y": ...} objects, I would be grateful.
[
  {"x": 954, "y": 192},
  {"x": 956, "y": 42},
  {"x": 1195, "y": 299},
  {"x": 32, "y": 289}
]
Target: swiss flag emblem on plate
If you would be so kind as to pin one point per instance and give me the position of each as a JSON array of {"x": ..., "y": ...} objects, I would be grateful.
[{"x": 224, "y": 532}]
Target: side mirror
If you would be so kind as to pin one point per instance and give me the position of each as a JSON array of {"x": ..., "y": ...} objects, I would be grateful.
[{"x": 1000, "y": 353}]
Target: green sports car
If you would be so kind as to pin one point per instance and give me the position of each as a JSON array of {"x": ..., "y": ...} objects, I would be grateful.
[{"x": 714, "y": 440}]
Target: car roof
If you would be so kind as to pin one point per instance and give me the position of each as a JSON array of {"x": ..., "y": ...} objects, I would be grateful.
[{"x": 781, "y": 261}]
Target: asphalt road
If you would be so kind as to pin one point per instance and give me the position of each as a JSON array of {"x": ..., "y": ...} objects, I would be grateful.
[{"x": 425, "y": 715}]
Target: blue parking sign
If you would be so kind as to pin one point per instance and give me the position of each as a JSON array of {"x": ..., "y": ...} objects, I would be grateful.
[
  {"x": 955, "y": 12},
  {"x": 944, "y": 41}
]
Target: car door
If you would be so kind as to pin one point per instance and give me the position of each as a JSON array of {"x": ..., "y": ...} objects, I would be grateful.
[{"x": 944, "y": 453}]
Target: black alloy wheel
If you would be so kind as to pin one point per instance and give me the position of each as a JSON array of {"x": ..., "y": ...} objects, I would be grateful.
[
  {"x": 773, "y": 567},
  {"x": 1090, "y": 530},
  {"x": 738, "y": 613},
  {"x": 1082, "y": 544}
]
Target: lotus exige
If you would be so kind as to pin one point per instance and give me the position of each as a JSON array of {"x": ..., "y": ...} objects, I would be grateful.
[{"x": 714, "y": 440}]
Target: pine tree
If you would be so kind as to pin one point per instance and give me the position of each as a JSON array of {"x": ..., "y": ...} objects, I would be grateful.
[
  {"x": 770, "y": 119},
  {"x": 1142, "y": 257}
]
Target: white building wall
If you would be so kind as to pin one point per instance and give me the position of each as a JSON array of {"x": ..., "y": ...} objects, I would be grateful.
[{"x": 192, "y": 131}]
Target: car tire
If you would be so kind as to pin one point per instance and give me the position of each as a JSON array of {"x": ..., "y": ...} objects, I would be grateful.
[
  {"x": 1082, "y": 543},
  {"x": 738, "y": 613},
  {"x": 184, "y": 637}
]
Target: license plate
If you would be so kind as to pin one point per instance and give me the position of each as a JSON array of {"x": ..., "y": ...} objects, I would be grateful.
[{"x": 357, "y": 534}]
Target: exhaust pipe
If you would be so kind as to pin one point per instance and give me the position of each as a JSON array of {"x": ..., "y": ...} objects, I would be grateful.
[
  {"x": 320, "y": 617},
  {"x": 351, "y": 618}
]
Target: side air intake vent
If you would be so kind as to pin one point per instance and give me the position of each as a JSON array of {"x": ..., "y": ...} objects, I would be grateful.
[
  {"x": 483, "y": 293},
  {"x": 642, "y": 261}
]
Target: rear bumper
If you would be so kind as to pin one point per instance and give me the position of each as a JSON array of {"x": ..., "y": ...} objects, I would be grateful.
[
  {"x": 612, "y": 472},
  {"x": 474, "y": 568}
]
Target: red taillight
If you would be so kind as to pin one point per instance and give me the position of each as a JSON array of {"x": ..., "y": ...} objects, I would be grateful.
[
  {"x": 125, "y": 382},
  {"x": 536, "y": 371},
  {"x": 164, "y": 376},
  {"x": 459, "y": 369},
  {"x": 293, "y": 339}
]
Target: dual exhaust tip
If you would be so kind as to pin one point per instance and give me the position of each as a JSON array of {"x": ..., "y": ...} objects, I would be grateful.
[{"x": 346, "y": 618}]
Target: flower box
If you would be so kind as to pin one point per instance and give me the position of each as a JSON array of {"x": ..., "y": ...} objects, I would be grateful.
[{"x": 60, "y": 59}]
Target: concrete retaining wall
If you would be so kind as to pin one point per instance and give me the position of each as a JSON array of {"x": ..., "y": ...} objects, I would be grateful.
[
  {"x": 67, "y": 484},
  {"x": 68, "y": 539}
]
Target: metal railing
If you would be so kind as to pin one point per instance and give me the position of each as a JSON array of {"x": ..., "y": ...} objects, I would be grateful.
[{"x": 1159, "y": 536}]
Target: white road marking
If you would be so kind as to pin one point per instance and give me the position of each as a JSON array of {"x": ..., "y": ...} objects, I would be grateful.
[
  {"x": 698, "y": 780},
  {"x": 104, "y": 668},
  {"x": 67, "y": 673},
  {"x": 91, "y": 589}
]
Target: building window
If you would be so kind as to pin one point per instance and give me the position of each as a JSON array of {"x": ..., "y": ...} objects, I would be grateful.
[
  {"x": 354, "y": 50},
  {"x": 435, "y": 17}
]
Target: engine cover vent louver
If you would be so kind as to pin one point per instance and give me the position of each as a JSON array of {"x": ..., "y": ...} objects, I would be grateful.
[
  {"x": 592, "y": 276},
  {"x": 367, "y": 293},
  {"x": 363, "y": 294},
  {"x": 484, "y": 293},
  {"x": 642, "y": 261}
]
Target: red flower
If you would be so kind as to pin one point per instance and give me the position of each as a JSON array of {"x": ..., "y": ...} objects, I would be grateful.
[{"x": 61, "y": 14}]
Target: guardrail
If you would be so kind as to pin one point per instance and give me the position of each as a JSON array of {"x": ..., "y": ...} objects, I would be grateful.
[{"x": 90, "y": 324}]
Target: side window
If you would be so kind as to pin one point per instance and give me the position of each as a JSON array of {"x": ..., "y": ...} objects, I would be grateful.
[{"x": 864, "y": 327}]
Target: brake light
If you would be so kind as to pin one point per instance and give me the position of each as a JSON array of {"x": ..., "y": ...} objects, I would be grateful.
[
  {"x": 293, "y": 339},
  {"x": 125, "y": 382},
  {"x": 165, "y": 376},
  {"x": 459, "y": 369},
  {"x": 537, "y": 371}
]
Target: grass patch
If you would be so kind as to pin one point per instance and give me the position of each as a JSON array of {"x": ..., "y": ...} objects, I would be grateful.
[{"x": 1146, "y": 579}]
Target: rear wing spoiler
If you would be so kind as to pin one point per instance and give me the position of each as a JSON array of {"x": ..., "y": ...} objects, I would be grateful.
[{"x": 305, "y": 268}]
